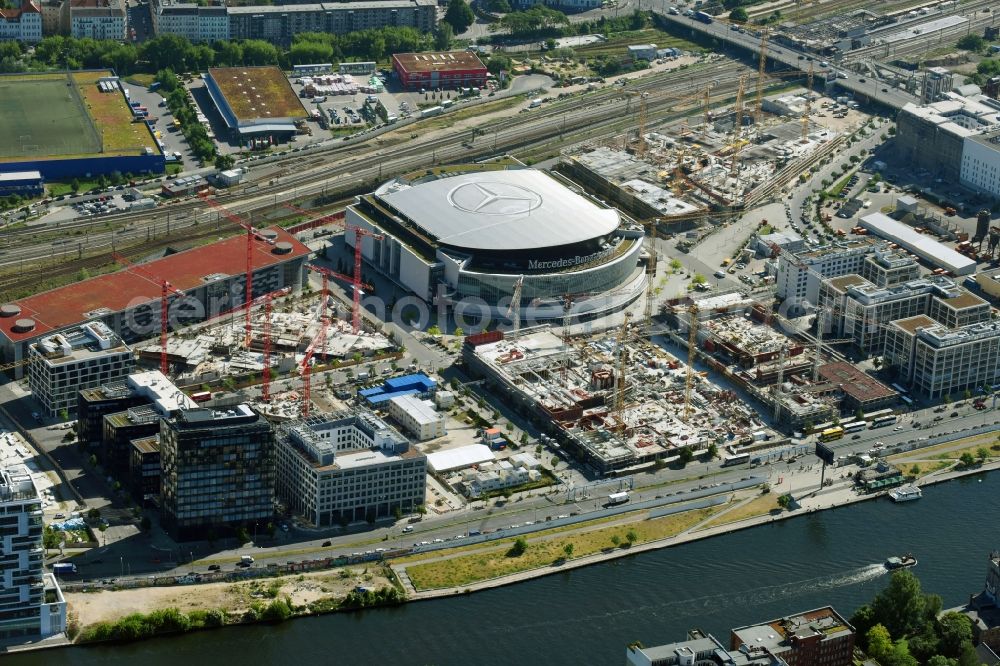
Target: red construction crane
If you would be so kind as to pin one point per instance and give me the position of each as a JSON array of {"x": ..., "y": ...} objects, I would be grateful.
[
  {"x": 251, "y": 233},
  {"x": 307, "y": 369},
  {"x": 266, "y": 334},
  {"x": 165, "y": 290},
  {"x": 327, "y": 274},
  {"x": 358, "y": 233}
]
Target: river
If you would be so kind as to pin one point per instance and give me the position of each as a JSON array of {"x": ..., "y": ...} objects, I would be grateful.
[{"x": 589, "y": 615}]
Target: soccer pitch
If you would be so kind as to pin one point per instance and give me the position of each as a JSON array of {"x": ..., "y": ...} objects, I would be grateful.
[{"x": 44, "y": 117}]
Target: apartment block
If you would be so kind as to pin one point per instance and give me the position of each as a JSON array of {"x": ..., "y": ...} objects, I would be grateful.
[
  {"x": 65, "y": 363},
  {"x": 96, "y": 19},
  {"x": 217, "y": 471},
  {"x": 820, "y": 637},
  {"x": 31, "y": 604},
  {"x": 199, "y": 24},
  {"x": 348, "y": 466},
  {"x": 23, "y": 24}
]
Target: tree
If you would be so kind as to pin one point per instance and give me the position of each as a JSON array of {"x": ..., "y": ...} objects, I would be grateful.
[
  {"x": 51, "y": 538},
  {"x": 499, "y": 62},
  {"x": 74, "y": 185},
  {"x": 900, "y": 606},
  {"x": 685, "y": 455},
  {"x": 518, "y": 548},
  {"x": 459, "y": 16},
  {"x": 631, "y": 537},
  {"x": 915, "y": 470},
  {"x": 972, "y": 43},
  {"x": 879, "y": 642},
  {"x": 982, "y": 454},
  {"x": 615, "y": 540},
  {"x": 739, "y": 15},
  {"x": 223, "y": 162},
  {"x": 242, "y": 535},
  {"x": 712, "y": 451},
  {"x": 568, "y": 550},
  {"x": 676, "y": 265},
  {"x": 698, "y": 279},
  {"x": 966, "y": 460},
  {"x": 947, "y": 399},
  {"x": 94, "y": 514},
  {"x": 784, "y": 501},
  {"x": 443, "y": 36},
  {"x": 955, "y": 630},
  {"x": 859, "y": 414},
  {"x": 498, "y": 6}
]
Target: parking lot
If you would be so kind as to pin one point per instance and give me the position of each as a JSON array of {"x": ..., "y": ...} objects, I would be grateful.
[{"x": 173, "y": 141}]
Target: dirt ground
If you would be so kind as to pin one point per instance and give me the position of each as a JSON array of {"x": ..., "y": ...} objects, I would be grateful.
[{"x": 300, "y": 589}]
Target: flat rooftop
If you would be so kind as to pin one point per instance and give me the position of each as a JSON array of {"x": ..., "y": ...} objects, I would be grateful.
[
  {"x": 149, "y": 444},
  {"x": 923, "y": 246},
  {"x": 911, "y": 324},
  {"x": 114, "y": 292},
  {"x": 854, "y": 382},
  {"x": 843, "y": 282},
  {"x": 257, "y": 92},
  {"x": 512, "y": 209},
  {"x": 775, "y": 635},
  {"x": 438, "y": 62}
]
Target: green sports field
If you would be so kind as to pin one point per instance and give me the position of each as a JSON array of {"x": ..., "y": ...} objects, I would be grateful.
[{"x": 44, "y": 116}]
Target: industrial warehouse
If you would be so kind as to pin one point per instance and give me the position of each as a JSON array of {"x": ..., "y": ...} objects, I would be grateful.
[
  {"x": 504, "y": 237},
  {"x": 255, "y": 102}
]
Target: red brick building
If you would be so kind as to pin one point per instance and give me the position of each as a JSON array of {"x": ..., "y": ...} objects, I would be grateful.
[
  {"x": 448, "y": 70},
  {"x": 819, "y": 637}
]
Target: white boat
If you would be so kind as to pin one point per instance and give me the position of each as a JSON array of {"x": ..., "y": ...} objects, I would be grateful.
[{"x": 905, "y": 493}]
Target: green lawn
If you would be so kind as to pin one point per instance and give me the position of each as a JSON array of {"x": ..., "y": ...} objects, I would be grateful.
[
  {"x": 616, "y": 43},
  {"x": 58, "y": 188}
]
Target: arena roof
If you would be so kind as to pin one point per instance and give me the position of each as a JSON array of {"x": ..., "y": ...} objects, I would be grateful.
[
  {"x": 514, "y": 209},
  {"x": 79, "y": 302}
]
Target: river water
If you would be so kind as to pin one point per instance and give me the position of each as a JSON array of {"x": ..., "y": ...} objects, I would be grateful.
[{"x": 589, "y": 615}]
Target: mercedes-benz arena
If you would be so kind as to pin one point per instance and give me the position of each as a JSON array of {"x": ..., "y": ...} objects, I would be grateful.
[{"x": 472, "y": 232}]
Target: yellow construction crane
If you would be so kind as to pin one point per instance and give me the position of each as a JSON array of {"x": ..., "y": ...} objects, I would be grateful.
[
  {"x": 17, "y": 364},
  {"x": 737, "y": 144},
  {"x": 621, "y": 358},
  {"x": 706, "y": 104},
  {"x": 514, "y": 311},
  {"x": 761, "y": 71},
  {"x": 647, "y": 315},
  {"x": 692, "y": 345},
  {"x": 808, "y": 109}
]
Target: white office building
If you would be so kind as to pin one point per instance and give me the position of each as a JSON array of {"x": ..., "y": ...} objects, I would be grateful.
[
  {"x": 64, "y": 363},
  {"x": 799, "y": 274},
  {"x": 418, "y": 417},
  {"x": 31, "y": 604},
  {"x": 937, "y": 360},
  {"x": 347, "y": 467},
  {"x": 981, "y": 163}
]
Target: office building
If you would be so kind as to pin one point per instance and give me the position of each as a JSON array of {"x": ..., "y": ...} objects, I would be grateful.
[
  {"x": 217, "y": 471},
  {"x": 418, "y": 417},
  {"x": 980, "y": 170},
  {"x": 31, "y": 604},
  {"x": 819, "y": 637},
  {"x": 96, "y": 19},
  {"x": 799, "y": 275},
  {"x": 84, "y": 357},
  {"x": 937, "y": 361},
  {"x": 885, "y": 267},
  {"x": 144, "y": 468},
  {"x": 697, "y": 650},
  {"x": 23, "y": 24},
  {"x": 346, "y": 467}
]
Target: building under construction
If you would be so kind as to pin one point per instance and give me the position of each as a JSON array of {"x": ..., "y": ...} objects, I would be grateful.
[{"x": 617, "y": 403}]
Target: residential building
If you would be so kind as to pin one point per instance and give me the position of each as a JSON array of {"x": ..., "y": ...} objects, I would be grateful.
[
  {"x": 23, "y": 24},
  {"x": 144, "y": 468},
  {"x": 348, "y": 466},
  {"x": 217, "y": 471},
  {"x": 31, "y": 605},
  {"x": 197, "y": 23},
  {"x": 819, "y": 637},
  {"x": 96, "y": 19},
  {"x": 698, "y": 650},
  {"x": 280, "y": 23},
  {"x": 937, "y": 361},
  {"x": 447, "y": 70},
  {"x": 64, "y": 363},
  {"x": 566, "y": 5},
  {"x": 418, "y": 417}
]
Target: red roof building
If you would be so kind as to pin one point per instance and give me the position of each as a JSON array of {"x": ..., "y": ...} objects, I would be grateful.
[
  {"x": 448, "y": 70},
  {"x": 212, "y": 277}
]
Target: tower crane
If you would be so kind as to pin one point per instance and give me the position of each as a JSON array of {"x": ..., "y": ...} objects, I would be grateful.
[
  {"x": 808, "y": 109},
  {"x": 166, "y": 289},
  {"x": 621, "y": 357},
  {"x": 692, "y": 344},
  {"x": 761, "y": 71},
  {"x": 514, "y": 311},
  {"x": 306, "y": 366},
  {"x": 266, "y": 300},
  {"x": 326, "y": 273},
  {"x": 251, "y": 233},
  {"x": 738, "y": 126},
  {"x": 359, "y": 232}
]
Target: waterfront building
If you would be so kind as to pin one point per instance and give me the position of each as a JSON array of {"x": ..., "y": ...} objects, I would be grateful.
[
  {"x": 31, "y": 604},
  {"x": 348, "y": 466},
  {"x": 698, "y": 650},
  {"x": 217, "y": 471},
  {"x": 819, "y": 637}
]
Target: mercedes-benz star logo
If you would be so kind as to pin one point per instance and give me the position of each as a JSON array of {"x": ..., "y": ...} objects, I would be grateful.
[{"x": 494, "y": 198}]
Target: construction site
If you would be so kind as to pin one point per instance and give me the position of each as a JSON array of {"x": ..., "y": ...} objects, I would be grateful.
[
  {"x": 735, "y": 157},
  {"x": 617, "y": 403}
]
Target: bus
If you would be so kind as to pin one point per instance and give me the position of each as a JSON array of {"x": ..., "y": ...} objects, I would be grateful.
[
  {"x": 831, "y": 434},
  {"x": 871, "y": 416},
  {"x": 906, "y": 401},
  {"x": 737, "y": 459},
  {"x": 882, "y": 421},
  {"x": 201, "y": 396},
  {"x": 63, "y": 568},
  {"x": 899, "y": 389},
  {"x": 820, "y": 427},
  {"x": 855, "y": 426}
]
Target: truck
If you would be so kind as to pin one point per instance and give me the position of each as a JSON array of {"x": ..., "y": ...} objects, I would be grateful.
[
  {"x": 535, "y": 103},
  {"x": 246, "y": 560},
  {"x": 63, "y": 568},
  {"x": 154, "y": 86},
  {"x": 618, "y": 498}
]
